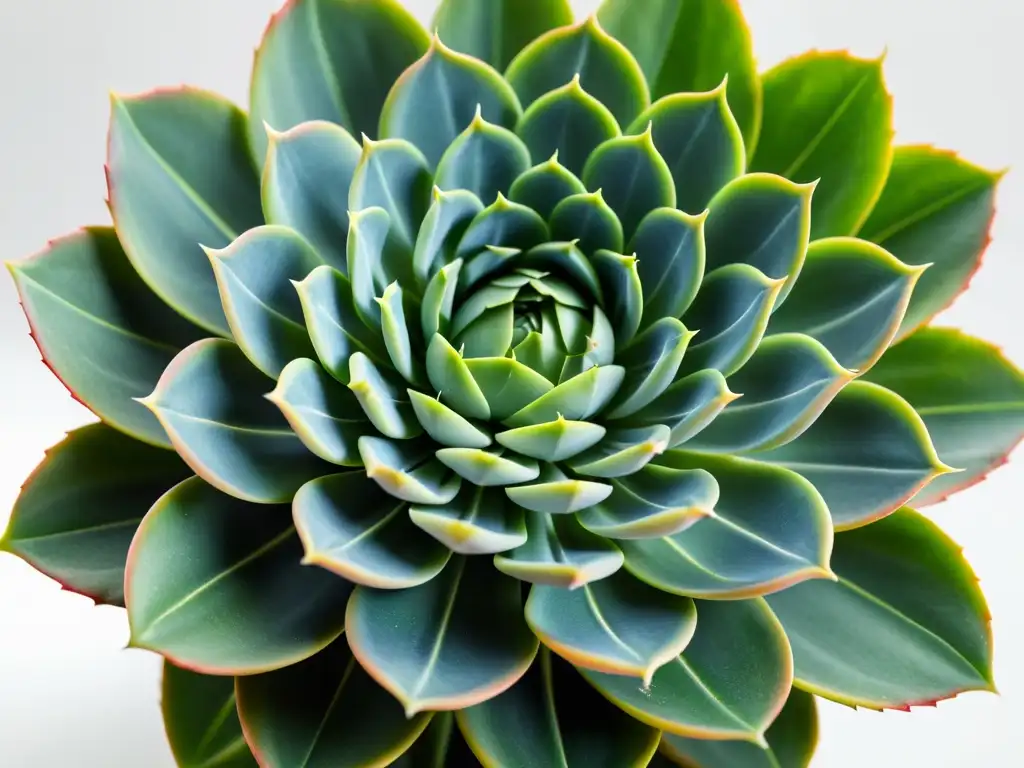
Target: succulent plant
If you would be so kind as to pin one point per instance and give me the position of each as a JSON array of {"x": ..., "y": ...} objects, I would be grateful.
[{"x": 541, "y": 392}]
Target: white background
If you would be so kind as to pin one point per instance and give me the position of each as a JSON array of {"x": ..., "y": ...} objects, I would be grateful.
[{"x": 70, "y": 696}]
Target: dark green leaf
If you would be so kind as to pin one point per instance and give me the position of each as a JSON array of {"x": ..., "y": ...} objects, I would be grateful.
[
  {"x": 460, "y": 167},
  {"x": 502, "y": 224},
  {"x": 588, "y": 221},
  {"x": 669, "y": 248},
  {"x": 545, "y": 185},
  {"x": 620, "y": 282},
  {"x": 651, "y": 363},
  {"x": 688, "y": 406},
  {"x": 569, "y": 259}
]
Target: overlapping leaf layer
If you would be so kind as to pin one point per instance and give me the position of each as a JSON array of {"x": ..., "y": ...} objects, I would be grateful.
[{"x": 522, "y": 395}]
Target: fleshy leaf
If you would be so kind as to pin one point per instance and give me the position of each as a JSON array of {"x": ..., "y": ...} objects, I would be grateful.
[
  {"x": 669, "y": 42},
  {"x": 843, "y": 137},
  {"x": 479, "y": 521},
  {"x": 305, "y": 185},
  {"x": 905, "y": 625},
  {"x": 438, "y": 301},
  {"x": 450, "y": 87},
  {"x": 79, "y": 509},
  {"x": 496, "y": 31},
  {"x": 407, "y": 471},
  {"x": 770, "y": 529},
  {"x": 453, "y": 642},
  {"x": 201, "y": 721},
  {"x": 495, "y": 467},
  {"x": 568, "y": 122},
  {"x": 730, "y": 683},
  {"x": 451, "y": 378},
  {"x": 447, "y": 219},
  {"x": 211, "y": 402},
  {"x": 559, "y": 552},
  {"x": 559, "y": 721},
  {"x": 503, "y": 224},
  {"x": 568, "y": 258},
  {"x": 324, "y": 712},
  {"x": 622, "y": 452},
  {"x": 617, "y": 625},
  {"x": 179, "y": 176},
  {"x": 688, "y": 406},
  {"x": 460, "y": 166},
  {"x": 352, "y": 528},
  {"x": 545, "y": 185},
  {"x": 578, "y": 398},
  {"x": 588, "y": 222},
  {"x": 367, "y": 239},
  {"x": 669, "y": 248},
  {"x": 333, "y": 61},
  {"x": 99, "y": 328},
  {"x": 651, "y": 364},
  {"x": 254, "y": 276},
  {"x": 216, "y": 615},
  {"x": 507, "y": 386},
  {"x": 445, "y": 425},
  {"x": 868, "y": 453},
  {"x": 553, "y": 440},
  {"x": 851, "y": 296},
  {"x": 606, "y": 69},
  {"x": 397, "y": 338},
  {"x": 935, "y": 209},
  {"x": 970, "y": 397},
  {"x": 383, "y": 399},
  {"x": 700, "y": 141},
  {"x": 557, "y": 494},
  {"x": 620, "y": 281}
]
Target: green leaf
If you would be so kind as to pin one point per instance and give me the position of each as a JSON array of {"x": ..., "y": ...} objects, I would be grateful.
[
  {"x": 201, "y": 721},
  {"x": 333, "y": 322},
  {"x": 559, "y": 721},
  {"x": 730, "y": 683},
  {"x": 440, "y": 742},
  {"x": 450, "y": 87},
  {"x": 439, "y": 300},
  {"x": 617, "y": 625},
  {"x": 397, "y": 338},
  {"x": 669, "y": 248},
  {"x": 970, "y": 397},
  {"x": 905, "y": 625},
  {"x": 568, "y": 123},
  {"x": 324, "y": 712},
  {"x": 494, "y": 467},
  {"x": 179, "y": 176},
  {"x": 654, "y": 502},
  {"x": 367, "y": 238},
  {"x": 305, "y": 185},
  {"x": 503, "y": 225},
  {"x": 620, "y": 281},
  {"x": 761, "y": 220},
  {"x": 349, "y": 526},
  {"x": 383, "y": 399},
  {"x": 843, "y": 136},
  {"x": 102, "y": 332},
  {"x": 553, "y": 440},
  {"x": 445, "y": 425},
  {"x": 566, "y": 257},
  {"x": 254, "y": 276},
  {"x": 330, "y": 60},
  {"x": 770, "y": 529},
  {"x": 559, "y": 552},
  {"x": 633, "y": 176},
  {"x": 489, "y": 335},
  {"x": 791, "y": 738},
  {"x": 578, "y": 398},
  {"x": 785, "y": 386},
  {"x": 447, "y": 219},
  {"x": 557, "y": 494},
  {"x": 588, "y": 221},
  {"x": 868, "y": 453},
  {"x": 544, "y": 185},
  {"x": 460, "y": 166},
  {"x": 451, "y": 378},
  {"x": 935, "y": 209},
  {"x": 651, "y": 364},
  {"x": 405, "y": 470},
  {"x": 77, "y": 512},
  {"x": 453, "y": 642},
  {"x": 851, "y": 296},
  {"x": 669, "y": 39},
  {"x": 496, "y": 31},
  {"x": 324, "y": 414},
  {"x": 688, "y": 406},
  {"x": 195, "y": 585},
  {"x": 507, "y": 386},
  {"x": 622, "y": 452},
  {"x": 700, "y": 141},
  {"x": 211, "y": 402},
  {"x": 479, "y": 521}
]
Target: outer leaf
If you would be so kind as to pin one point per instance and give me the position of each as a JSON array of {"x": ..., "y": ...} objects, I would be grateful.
[
  {"x": 868, "y": 453},
  {"x": 668, "y": 39},
  {"x": 179, "y": 176},
  {"x": 545, "y": 185},
  {"x": 730, "y": 683},
  {"x": 970, "y": 397},
  {"x": 211, "y": 402},
  {"x": 791, "y": 739},
  {"x": 479, "y": 521},
  {"x": 934, "y": 209},
  {"x": 305, "y": 185},
  {"x": 440, "y": 742},
  {"x": 324, "y": 712},
  {"x": 351, "y": 527},
  {"x": 330, "y": 60},
  {"x": 606, "y": 69},
  {"x": 843, "y": 138},
  {"x": 453, "y": 642},
  {"x": 201, "y": 721},
  {"x": 559, "y": 721},
  {"x": 770, "y": 530},
  {"x": 452, "y": 87},
  {"x": 669, "y": 247},
  {"x": 495, "y": 32},
  {"x": 460, "y": 166},
  {"x": 616, "y": 625},
  {"x": 78, "y": 511},
  {"x": 905, "y": 625},
  {"x": 195, "y": 585},
  {"x": 102, "y": 332}
]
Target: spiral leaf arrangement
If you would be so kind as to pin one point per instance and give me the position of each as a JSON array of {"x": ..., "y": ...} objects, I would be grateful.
[{"x": 538, "y": 393}]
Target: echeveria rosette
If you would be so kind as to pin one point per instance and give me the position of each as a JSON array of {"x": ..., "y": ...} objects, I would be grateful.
[{"x": 549, "y": 391}]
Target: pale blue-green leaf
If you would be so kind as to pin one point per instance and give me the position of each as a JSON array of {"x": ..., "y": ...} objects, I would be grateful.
[
  {"x": 450, "y": 377},
  {"x": 479, "y": 521},
  {"x": 446, "y": 221},
  {"x": 507, "y": 386},
  {"x": 578, "y": 398},
  {"x": 367, "y": 239},
  {"x": 566, "y": 257},
  {"x": 669, "y": 248},
  {"x": 651, "y": 363},
  {"x": 439, "y": 300},
  {"x": 494, "y": 467},
  {"x": 462, "y": 167},
  {"x": 407, "y": 470},
  {"x": 382, "y": 396},
  {"x": 445, "y": 425},
  {"x": 623, "y": 451},
  {"x": 557, "y": 494},
  {"x": 553, "y": 440},
  {"x": 688, "y": 406},
  {"x": 544, "y": 185},
  {"x": 503, "y": 224},
  {"x": 405, "y": 356}
]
